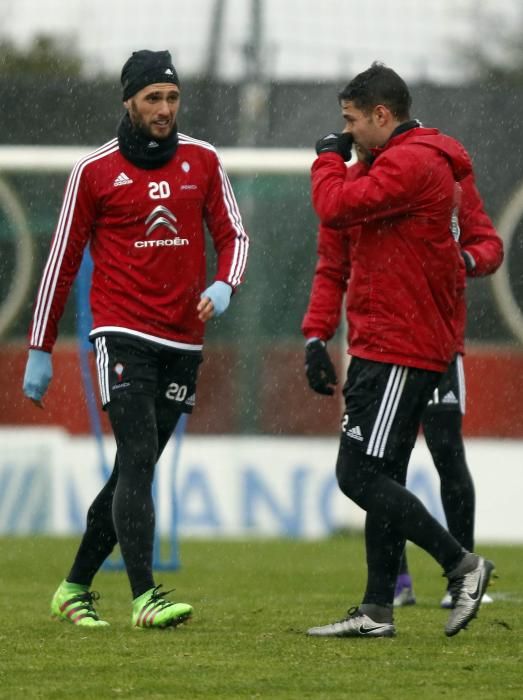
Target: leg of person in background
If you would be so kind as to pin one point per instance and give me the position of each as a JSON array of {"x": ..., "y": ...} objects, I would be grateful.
[
  {"x": 442, "y": 426},
  {"x": 404, "y": 590},
  {"x": 443, "y": 433},
  {"x": 136, "y": 420}
]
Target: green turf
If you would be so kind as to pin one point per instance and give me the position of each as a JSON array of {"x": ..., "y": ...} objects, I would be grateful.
[{"x": 253, "y": 601}]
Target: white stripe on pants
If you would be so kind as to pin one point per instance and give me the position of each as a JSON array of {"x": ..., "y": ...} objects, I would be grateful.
[
  {"x": 387, "y": 411},
  {"x": 102, "y": 366}
]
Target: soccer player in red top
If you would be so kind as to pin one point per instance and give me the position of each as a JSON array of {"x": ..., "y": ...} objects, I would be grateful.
[
  {"x": 401, "y": 302},
  {"x": 482, "y": 252},
  {"x": 140, "y": 202}
]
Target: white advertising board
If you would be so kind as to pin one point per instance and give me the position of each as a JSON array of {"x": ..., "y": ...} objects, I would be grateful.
[{"x": 236, "y": 486}]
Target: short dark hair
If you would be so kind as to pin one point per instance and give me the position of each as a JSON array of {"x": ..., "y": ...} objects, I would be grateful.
[{"x": 379, "y": 84}]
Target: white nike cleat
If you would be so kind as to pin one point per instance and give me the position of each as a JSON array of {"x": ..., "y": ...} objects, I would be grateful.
[
  {"x": 467, "y": 592},
  {"x": 447, "y": 604},
  {"x": 356, "y": 624}
]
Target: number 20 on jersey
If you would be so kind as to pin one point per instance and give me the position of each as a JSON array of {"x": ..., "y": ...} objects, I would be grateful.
[{"x": 159, "y": 190}]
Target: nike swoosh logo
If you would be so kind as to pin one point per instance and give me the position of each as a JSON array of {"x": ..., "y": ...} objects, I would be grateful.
[
  {"x": 476, "y": 594},
  {"x": 367, "y": 630}
]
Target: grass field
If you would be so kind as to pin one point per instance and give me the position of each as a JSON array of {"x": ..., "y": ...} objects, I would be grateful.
[{"x": 253, "y": 602}]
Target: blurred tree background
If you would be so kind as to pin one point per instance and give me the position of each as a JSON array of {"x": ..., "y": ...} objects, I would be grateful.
[{"x": 46, "y": 56}]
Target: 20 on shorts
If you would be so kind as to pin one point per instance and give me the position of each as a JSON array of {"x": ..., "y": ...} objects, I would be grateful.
[{"x": 128, "y": 365}]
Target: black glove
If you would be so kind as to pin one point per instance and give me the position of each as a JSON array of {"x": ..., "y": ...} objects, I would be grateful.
[
  {"x": 319, "y": 368},
  {"x": 336, "y": 143}
]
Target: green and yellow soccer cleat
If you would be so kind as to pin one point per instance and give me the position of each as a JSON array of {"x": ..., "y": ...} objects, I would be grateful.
[
  {"x": 151, "y": 609},
  {"x": 74, "y": 603}
]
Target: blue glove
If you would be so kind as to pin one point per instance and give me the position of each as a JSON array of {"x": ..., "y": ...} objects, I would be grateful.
[
  {"x": 38, "y": 374},
  {"x": 220, "y": 295}
]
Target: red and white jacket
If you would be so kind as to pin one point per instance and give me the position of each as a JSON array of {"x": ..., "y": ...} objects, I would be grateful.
[
  {"x": 145, "y": 230},
  {"x": 405, "y": 267},
  {"x": 477, "y": 236}
]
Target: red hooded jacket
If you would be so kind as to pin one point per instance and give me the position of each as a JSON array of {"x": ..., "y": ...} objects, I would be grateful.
[
  {"x": 477, "y": 237},
  {"x": 405, "y": 267}
]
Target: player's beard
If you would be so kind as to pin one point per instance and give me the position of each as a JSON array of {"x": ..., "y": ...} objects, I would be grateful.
[{"x": 138, "y": 123}]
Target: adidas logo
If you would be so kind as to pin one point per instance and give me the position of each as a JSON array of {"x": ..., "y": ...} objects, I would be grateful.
[
  {"x": 122, "y": 179},
  {"x": 355, "y": 433},
  {"x": 168, "y": 71},
  {"x": 450, "y": 397}
]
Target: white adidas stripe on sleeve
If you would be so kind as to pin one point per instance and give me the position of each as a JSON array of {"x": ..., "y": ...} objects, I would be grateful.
[{"x": 51, "y": 271}]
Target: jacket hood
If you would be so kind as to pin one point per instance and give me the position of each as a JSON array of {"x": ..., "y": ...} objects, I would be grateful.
[{"x": 449, "y": 147}]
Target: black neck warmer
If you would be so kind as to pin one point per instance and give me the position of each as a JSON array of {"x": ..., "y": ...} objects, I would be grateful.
[
  {"x": 405, "y": 126},
  {"x": 142, "y": 150}
]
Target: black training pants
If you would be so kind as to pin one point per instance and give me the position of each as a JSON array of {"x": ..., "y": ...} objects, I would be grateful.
[{"x": 123, "y": 511}]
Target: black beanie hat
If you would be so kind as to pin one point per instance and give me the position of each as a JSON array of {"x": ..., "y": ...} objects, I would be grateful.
[{"x": 145, "y": 68}]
